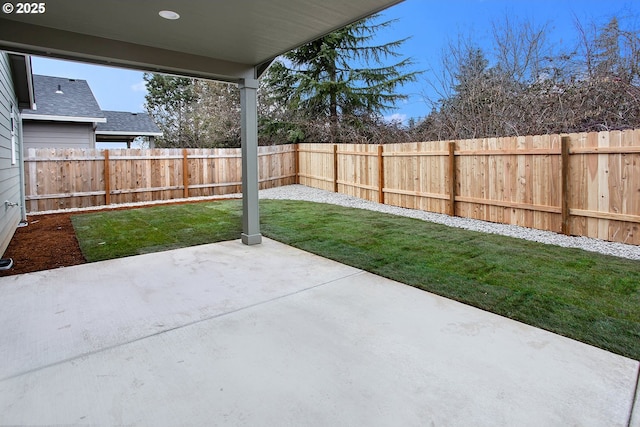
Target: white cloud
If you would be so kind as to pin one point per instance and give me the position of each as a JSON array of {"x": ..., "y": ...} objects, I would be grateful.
[
  {"x": 139, "y": 87},
  {"x": 396, "y": 118}
]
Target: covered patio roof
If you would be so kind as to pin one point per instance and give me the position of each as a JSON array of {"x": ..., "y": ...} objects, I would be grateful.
[
  {"x": 216, "y": 40},
  {"x": 232, "y": 41}
]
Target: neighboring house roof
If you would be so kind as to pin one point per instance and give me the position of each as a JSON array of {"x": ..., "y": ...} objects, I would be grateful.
[
  {"x": 63, "y": 99},
  {"x": 124, "y": 123},
  {"x": 71, "y": 100}
]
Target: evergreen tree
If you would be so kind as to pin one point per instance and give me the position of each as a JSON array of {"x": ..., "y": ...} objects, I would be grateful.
[{"x": 340, "y": 76}]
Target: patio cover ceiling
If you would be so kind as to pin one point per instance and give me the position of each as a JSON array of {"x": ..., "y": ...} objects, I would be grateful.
[
  {"x": 222, "y": 40},
  {"x": 229, "y": 40}
]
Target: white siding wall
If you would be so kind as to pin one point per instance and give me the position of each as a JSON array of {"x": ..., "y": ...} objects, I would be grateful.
[
  {"x": 58, "y": 135},
  {"x": 9, "y": 173}
]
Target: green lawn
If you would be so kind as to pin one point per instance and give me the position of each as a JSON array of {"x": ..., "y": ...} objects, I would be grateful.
[
  {"x": 115, "y": 234},
  {"x": 586, "y": 296}
]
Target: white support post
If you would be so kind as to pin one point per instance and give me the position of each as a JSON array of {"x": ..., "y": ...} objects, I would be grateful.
[{"x": 249, "y": 139}]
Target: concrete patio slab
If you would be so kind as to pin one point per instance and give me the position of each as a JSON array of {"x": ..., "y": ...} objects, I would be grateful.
[
  {"x": 226, "y": 334},
  {"x": 635, "y": 415},
  {"x": 57, "y": 314}
]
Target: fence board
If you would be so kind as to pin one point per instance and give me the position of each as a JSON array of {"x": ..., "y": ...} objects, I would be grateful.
[
  {"x": 605, "y": 202},
  {"x": 416, "y": 181},
  {"x": 518, "y": 178},
  {"x": 358, "y": 171},
  {"x": 315, "y": 165},
  {"x": 276, "y": 166}
]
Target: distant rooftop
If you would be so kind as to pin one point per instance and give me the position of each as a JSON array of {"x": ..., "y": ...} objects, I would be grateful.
[
  {"x": 71, "y": 100},
  {"x": 63, "y": 99},
  {"x": 124, "y": 123}
]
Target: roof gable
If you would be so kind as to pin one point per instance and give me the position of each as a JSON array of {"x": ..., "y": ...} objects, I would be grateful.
[{"x": 63, "y": 99}]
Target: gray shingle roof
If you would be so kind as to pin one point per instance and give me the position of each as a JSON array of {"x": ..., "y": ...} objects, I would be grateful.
[
  {"x": 75, "y": 101},
  {"x": 128, "y": 123}
]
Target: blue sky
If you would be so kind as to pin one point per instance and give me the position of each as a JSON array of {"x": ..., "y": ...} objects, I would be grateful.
[{"x": 429, "y": 23}]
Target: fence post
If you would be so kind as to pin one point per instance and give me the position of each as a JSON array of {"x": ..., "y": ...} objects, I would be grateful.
[
  {"x": 185, "y": 173},
  {"x": 564, "y": 195},
  {"x": 107, "y": 179},
  {"x": 452, "y": 178},
  {"x": 335, "y": 168},
  {"x": 380, "y": 174}
]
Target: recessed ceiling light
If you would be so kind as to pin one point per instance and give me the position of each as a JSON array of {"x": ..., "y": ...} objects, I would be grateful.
[{"x": 169, "y": 14}]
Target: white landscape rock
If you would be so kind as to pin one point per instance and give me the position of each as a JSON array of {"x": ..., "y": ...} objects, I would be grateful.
[{"x": 301, "y": 192}]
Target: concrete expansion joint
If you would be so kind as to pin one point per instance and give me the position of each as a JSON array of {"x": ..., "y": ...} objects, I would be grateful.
[{"x": 355, "y": 273}]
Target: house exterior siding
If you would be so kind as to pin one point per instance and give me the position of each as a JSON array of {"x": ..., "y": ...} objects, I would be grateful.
[
  {"x": 58, "y": 135},
  {"x": 9, "y": 159}
]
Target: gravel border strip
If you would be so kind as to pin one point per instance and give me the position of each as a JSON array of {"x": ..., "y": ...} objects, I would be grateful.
[{"x": 301, "y": 192}]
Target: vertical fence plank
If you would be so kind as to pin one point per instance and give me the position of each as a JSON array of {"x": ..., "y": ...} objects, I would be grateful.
[
  {"x": 107, "y": 179},
  {"x": 296, "y": 164},
  {"x": 380, "y": 174},
  {"x": 603, "y": 183},
  {"x": 564, "y": 195},
  {"x": 185, "y": 173},
  {"x": 335, "y": 168},
  {"x": 452, "y": 178}
]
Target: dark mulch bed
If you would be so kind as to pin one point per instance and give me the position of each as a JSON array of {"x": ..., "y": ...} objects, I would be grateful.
[{"x": 48, "y": 242}]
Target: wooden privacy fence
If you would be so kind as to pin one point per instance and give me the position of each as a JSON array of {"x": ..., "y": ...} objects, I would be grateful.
[
  {"x": 78, "y": 178},
  {"x": 585, "y": 184}
]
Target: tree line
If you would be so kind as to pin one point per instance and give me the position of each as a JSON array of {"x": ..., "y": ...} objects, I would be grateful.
[
  {"x": 523, "y": 87},
  {"x": 337, "y": 89}
]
